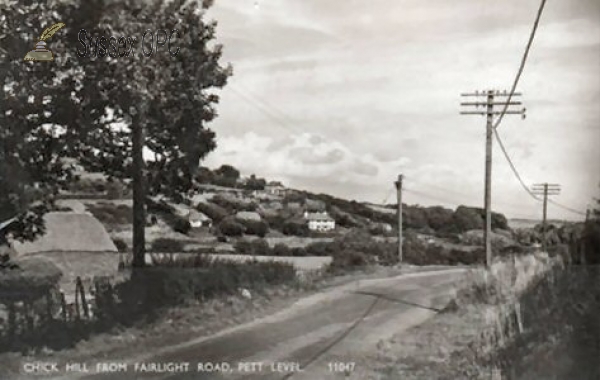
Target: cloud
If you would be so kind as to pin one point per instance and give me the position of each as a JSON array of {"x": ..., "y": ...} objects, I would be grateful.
[{"x": 344, "y": 96}]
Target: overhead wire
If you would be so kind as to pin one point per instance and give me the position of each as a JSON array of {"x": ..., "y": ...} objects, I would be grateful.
[
  {"x": 566, "y": 208},
  {"x": 505, "y": 108},
  {"x": 511, "y": 94},
  {"x": 522, "y": 65},
  {"x": 266, "y": 110}
]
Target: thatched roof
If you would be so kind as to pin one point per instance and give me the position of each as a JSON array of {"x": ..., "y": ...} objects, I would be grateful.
[
  {"x": 86, "y": 265},
  {"x": 69, "y": 232}
]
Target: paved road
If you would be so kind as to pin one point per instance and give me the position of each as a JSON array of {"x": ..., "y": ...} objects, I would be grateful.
[{"x": 312, "y": 334}]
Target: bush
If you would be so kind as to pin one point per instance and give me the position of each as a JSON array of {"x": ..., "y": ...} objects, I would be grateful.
[
  {"x": 349, "y": 259},
  {"x": 321, "y": 249},
  {"x": 255, "y": 247},
  {"x": 275, "y": 221},
  {"x": 440, "y": 218},
  {"x": 188, "y": 278},
  {"x": 109, "y": 214},
  {"x": 213, "y": 211},
  {"x": 252, "y": 227},
  {"x": 415, "y": 217},
  {"x": 467, "y": 219},
  {"x": 295, "y": 229},
  {"x": 231, "y": 228},
  {"x": 167, "y": 245},
  {"x": 182, "y": 226},
  {"x": 121, "y": 245},
  {"x": 281, "y": 250}
]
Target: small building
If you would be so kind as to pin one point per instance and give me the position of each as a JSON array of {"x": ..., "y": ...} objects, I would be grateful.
[
  {"x": 198, "y": 219},
  {"x": 319, "y": 221},
  {"x": 77, "y": 244},
  {"x": 248, "y": 215},
  {"x": 275, "y": 188}
]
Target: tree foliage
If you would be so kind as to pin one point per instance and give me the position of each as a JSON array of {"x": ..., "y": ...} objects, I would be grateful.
[{"x": 84, "y": 108}]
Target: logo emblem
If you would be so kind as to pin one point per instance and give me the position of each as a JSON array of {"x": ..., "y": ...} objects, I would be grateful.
[{"x": 41, "y": 52}]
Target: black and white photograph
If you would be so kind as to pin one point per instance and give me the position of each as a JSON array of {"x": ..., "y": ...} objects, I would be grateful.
[{"x": 299, "y": 189}]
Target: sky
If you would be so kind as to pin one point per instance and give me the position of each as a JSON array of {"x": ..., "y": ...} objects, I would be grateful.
[{"x": 341, "y": 96}]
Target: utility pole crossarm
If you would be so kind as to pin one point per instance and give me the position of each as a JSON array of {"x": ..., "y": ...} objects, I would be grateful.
[
  {"x": 546, "y": 190},
  {"x": 492, "y": 92},
  {"x": 484, "y": 104},
  {"x": 521, "y": 112}
]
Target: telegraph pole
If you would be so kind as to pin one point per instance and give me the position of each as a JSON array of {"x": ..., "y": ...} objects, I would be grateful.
[
  {"x": 545, "y": 189},
  {"x": 488, "y": 110},
  {"x": 399, "y": 195}
]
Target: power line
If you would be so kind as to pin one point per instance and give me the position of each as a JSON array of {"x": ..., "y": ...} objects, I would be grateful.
[
  {"x": 387, "y": 197},
  {"x": 512, "y": 166},
  {"x": 522, "y": 65},
  {"x": 566, "y": 208},
  {"x": 264, "y": 109},
  {"x": 431, "y": 197},
  {"x": 508, "y": 101}
]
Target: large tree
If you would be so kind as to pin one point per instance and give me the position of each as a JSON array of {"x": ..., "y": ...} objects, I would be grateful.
[{"x": 106, "y": 109}]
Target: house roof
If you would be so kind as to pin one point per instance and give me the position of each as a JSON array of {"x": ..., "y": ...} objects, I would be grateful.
[
  {"x": 197, "y": 215},
  {"x": 274, "y": 184},
  {"x": 248, "y": 215},
  {"x": 319, "y": 216},
  {"x": 6, "y": 223},
  {"x": 69, "y": 232}
]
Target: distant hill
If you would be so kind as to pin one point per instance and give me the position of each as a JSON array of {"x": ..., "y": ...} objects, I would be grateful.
[
  {"x": 222, "y": 193},
  {"x": 517, "y": 223}
]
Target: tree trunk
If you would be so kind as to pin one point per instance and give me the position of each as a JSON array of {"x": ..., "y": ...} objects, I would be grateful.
[{"x": 139, "y": 193}]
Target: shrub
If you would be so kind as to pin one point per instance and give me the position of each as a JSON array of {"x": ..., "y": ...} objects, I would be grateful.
[
  {"x": 121, "y": 245},
  {"x": 467, "y": 219},
  {"x": 321, "y": 249},
  {"x": 243, "y": 247},
  {"x": 213, "y": 211},
  {"x": 253, "y": 247},
  {"x": 109, "y": 214},
  {"x": 299, "y": 252},
  {"x": 182, "y": 226},
  {"x": 440, "y": 218},
  {"x": 275, "y": 221},
  {"x": 231, "y": 228},
  {"x": 252, "y": 227},
  {"x": 415, "y": 217},
  {"x": 189, "y": 278},
  {"x": 295, "y": 229},
  {"x": 281, "y": 250},
  {"x": 349, "y": 259},
  {"x": 167, "y": 245}
]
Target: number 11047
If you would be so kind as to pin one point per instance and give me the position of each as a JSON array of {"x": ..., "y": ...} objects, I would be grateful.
[{"x": 341, "y": 366}]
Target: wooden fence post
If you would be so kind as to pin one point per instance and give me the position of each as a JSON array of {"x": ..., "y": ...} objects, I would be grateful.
[
  {"x": 63, "y": 306},
  {"x": 79, "y": 288}
]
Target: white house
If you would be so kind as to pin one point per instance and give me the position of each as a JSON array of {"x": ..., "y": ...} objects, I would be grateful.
[{"x": 319, "y": 221}]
